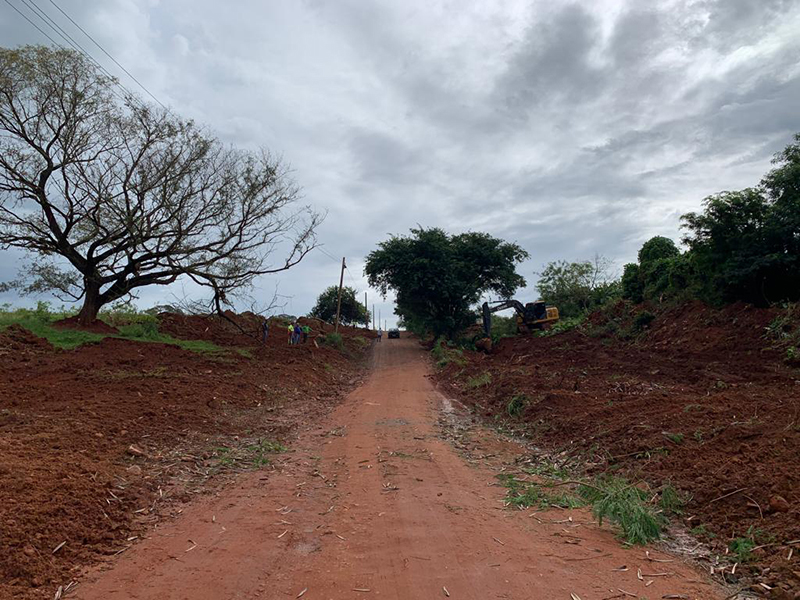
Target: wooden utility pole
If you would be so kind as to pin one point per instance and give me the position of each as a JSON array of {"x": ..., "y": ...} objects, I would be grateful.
[
  {"x": 339, "y": 298},
  {"x": 366, "y": 321},
  {"x": 373, "y": 317}
]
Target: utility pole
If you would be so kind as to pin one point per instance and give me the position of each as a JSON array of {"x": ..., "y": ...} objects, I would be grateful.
[
  {"x": 339, "y": 298},
  {"x": 373, "y": 317},
  {"x": 366, "y": 321}
]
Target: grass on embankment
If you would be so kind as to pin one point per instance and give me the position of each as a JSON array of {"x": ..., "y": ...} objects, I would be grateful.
[{"x": 133, "y": 326}]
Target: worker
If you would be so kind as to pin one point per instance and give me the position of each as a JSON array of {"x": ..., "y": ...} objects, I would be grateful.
[
  {"x": 298, "y": 332},
  {"x": 306, "y": 330},
  {"x": 290, "y": 329},
  {"x": 380, "y": 334},
  {"x": 265, "y": 331}
]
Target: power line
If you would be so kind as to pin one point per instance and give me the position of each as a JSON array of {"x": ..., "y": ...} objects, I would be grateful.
[
  {"x": 24, "y": 16},
  {"x": 48, "y": 20},
  {"x": 45, "y": 18},
  {"x": 96, "y": 43}
]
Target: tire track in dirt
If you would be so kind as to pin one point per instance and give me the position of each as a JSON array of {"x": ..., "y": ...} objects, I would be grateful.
[{"x": 375, "y": 504}]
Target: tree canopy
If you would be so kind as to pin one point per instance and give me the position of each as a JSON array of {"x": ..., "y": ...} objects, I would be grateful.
[
  {"x": 353, "y": 312},
  {"x": 112, "y": 195},
  {"x": 577, "y": 287},
  {"x": 438, "y": 278},
  {"x": 745, "y": 245}
]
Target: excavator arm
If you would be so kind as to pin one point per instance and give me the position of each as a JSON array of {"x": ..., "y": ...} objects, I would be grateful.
[{"x": 498, "y": 306}]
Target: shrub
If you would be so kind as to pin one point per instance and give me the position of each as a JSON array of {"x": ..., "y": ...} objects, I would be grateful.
[
  {"x": 333, "y": 339},
  {"x": 625, "y": 505},
  {"x": 516, "y": 405},
  {"x": 642, "y": 320}
]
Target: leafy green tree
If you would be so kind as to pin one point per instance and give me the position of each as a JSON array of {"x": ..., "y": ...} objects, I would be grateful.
[
  {"x": 353, "y": 312},
  {"x": 577, "y": 287},
  {"x": 657, "y": 248},
  {"x": 438, "y": 278},
  {"x": 745, "y": 245},
  {"x": 632, "y": 284}
]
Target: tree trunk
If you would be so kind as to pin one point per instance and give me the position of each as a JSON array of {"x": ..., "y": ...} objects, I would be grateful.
[{"x": 91, "y": 305}]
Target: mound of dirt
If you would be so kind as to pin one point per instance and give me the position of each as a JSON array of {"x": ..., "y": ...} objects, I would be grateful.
[
  {"x": 97, "y": 443},
  {"x": 700, "y": 400},
  {"x": 96, "y": 327},
  {"x": 243, "y": 329}
]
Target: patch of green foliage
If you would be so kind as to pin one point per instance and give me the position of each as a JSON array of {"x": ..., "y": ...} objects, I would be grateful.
[
  {"x": 333, "y": 339},
  {"x": 481, "y": 380},
  {"x": 742, "y": 548},
  {"x": 670, "y": 501},
  {"x": 743, "y": 246},
  {"x": 503, "y": 327},
  {"x": 676, "y": 438},
  {"x": 444, "y": 353},
  {"x": 352, "y": 311},
  {"x": 577, "y": 287},
  {"x": 642, "y": 321},
  {"x": 139, "y": 327},
  {"x": 626, "y": 506},
  {"x": 438, "y": 278},
  {"x": 563, "y": 325},
  {"x": 516, "y": 405},
  {"x": 701, "y": 532},
  {"x": 523, "y": 494}
]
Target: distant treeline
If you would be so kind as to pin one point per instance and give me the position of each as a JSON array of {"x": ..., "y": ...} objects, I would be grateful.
[{"x": 743, "y": 246}]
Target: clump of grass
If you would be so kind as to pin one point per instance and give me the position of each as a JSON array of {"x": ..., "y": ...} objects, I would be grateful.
[
  {"x": 675, "y": 438},
  {"x": 333, "y": 339},
  {"x": 701, "y": 532},
  {"x": 516, "y": 405},
  {"x": 670, "y": 501},
  {"x": 626, "y": 506},
  {"x": 523, "y": 494},
  {"x": 481, "y": 380},
  {"x": 642, "y": 321},
  {"x": 444, "y": 354},
  {"x": 692, "y": 407},
  {"x": 742, "y": 548}
]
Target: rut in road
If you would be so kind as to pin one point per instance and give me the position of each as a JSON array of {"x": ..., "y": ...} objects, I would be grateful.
[{"x": 375, "y": 504}]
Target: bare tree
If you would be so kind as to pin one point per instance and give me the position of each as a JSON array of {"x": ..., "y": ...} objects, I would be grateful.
[{"x": 111, "y": 195}]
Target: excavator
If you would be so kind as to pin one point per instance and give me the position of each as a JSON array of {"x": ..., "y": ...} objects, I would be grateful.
[{"x": 530, "y": 316}]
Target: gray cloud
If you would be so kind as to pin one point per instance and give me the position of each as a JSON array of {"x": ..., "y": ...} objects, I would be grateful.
[{"x": 571, "y": 128}]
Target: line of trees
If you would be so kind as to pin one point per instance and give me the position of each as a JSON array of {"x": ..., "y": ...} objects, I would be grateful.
[{"x": 743, "y": 246}]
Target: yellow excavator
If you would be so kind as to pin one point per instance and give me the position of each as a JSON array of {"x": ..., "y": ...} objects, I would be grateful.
[{"x": 530, "y": 317}]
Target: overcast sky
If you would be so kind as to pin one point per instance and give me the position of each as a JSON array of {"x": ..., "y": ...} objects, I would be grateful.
[{"x": 570, "y": 128}]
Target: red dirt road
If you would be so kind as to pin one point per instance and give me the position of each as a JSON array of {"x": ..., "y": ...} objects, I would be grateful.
[{"x": 374, "y": 504}]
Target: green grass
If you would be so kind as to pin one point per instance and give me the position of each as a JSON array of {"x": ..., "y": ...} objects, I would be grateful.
[
  {"x": 444, "y": 354},
  {"x": 523, "y": 494},
  {"x": 481, "y": 380},
  {"x": 742, "y": 547},
  {"x": 516, "y": 405},
  {"x": 140, "y": 327},
  {"x": 333, "y": 339},
  {"x": 625, "y": 505},
  {"x": 675, "y": 438},
  {"x": 670, "y": 501}
]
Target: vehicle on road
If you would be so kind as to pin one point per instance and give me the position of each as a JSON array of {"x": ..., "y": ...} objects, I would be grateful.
[{"x": 394, "y": 333}]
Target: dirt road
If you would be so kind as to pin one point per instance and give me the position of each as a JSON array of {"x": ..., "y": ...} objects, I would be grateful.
[{"x": 375, "y": 504}]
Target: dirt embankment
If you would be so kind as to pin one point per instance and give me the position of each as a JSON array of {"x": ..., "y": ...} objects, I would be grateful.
[
  {"x": 699, "y": 399},
  {"x": 99, "y": 443}
]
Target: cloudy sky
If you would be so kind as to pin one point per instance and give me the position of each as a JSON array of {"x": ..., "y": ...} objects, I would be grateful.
[{"x": 572, "y": 128}]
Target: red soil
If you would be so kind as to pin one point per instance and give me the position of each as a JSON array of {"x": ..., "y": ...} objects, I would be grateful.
[
  {"x": 96, "y": 441},
  {"x": 700, "y": 400},
  {"x": 96, "y": 327}
]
